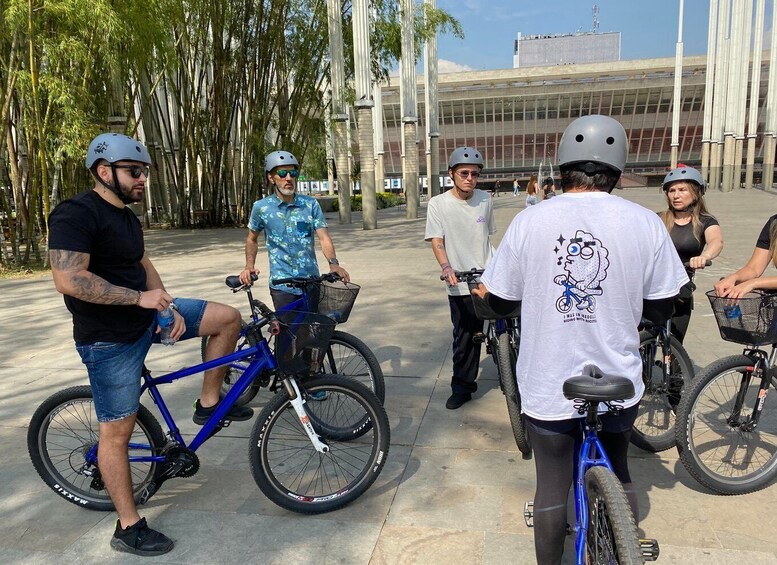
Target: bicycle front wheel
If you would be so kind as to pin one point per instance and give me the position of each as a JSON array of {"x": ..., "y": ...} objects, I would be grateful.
[
  {"x": 506, "y": 368},
  {"x": 290, "y": 471},
  {"x": 64, "y": 429},
  {"x": 719, "y": 443},
  {"x": 350, "y": 357},
  {"x": 612, "y": 535},
  {"x": 654, "y": 427}
]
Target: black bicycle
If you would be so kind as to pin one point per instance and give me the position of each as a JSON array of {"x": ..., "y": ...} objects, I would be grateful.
[
  {"x": 726, "y": 438},
  {"x": 346, "y": 355},
  {"x": 502, "y": 338}
]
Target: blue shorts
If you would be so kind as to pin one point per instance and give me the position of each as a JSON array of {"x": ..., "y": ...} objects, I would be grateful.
[{"x": 115, "y": 368}]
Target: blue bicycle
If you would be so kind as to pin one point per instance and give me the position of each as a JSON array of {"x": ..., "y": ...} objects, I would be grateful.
[
  {"x": 308, "y": 456},
  {"x": 346, "y": 355},
  {"x": 604, "y": 525}
]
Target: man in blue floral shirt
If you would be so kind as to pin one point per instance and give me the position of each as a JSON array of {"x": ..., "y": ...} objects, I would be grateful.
[{"x": 289, "y": 221}]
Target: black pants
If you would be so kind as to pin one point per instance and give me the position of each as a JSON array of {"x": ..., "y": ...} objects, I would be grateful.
[
  {"x": 466, "y": 353},
  {"x": 681, "y": 318}
]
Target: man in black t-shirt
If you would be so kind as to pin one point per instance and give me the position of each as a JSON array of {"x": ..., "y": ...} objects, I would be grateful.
[{"x": 113, "y": 291}]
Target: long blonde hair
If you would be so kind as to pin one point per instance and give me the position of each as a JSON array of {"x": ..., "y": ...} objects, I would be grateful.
[
  {"x": 531, "y": 188},
  {"x": 697, "y": 209}
]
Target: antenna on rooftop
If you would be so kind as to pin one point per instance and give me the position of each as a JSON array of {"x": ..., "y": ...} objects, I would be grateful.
[{"x": 596, "y": 18}]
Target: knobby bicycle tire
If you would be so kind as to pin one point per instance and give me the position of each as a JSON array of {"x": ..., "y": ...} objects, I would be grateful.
[
  {"x": 612, "y": 535},
  {"x": 289, "y": 470},
  {"x": 64, "y": 428},
  {"x": 714, "y": 443},
  {"x": 347, "y": 356},
  {"x": 654, "y": 427},
  {"x": 505, "y": 358}
]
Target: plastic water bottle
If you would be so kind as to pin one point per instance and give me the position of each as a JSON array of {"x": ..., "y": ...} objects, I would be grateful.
[
  {"x": 734, "y": 314},
  {"x": 165, "y": 319}
]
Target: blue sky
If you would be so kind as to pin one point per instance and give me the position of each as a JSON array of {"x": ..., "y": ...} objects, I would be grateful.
[{"x": 648, "y": 28}]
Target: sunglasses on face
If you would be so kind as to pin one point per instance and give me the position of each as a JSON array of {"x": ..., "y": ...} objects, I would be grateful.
[
  {"x": 293, "y": 173},
  {"x": 135, "y": 171},
  {"x": 465, "y": 174}
]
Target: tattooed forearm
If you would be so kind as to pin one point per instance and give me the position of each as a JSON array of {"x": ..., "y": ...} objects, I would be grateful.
[
  {"x": 91, "y": 288},
  {"x": 72, "y": 278}
]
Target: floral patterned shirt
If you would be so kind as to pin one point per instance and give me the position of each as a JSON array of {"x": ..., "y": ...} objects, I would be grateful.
[{"x": 289, "y": 234}]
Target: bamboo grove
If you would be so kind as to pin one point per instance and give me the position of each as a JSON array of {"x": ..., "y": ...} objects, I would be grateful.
[{"x": 210, "y": 85}]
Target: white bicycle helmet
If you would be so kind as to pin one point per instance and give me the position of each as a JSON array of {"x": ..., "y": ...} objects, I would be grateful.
[{"x": 113, "y": 147}]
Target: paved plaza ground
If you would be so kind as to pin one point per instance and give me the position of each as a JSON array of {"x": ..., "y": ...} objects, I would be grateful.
[{"x": 454, "y": 486}]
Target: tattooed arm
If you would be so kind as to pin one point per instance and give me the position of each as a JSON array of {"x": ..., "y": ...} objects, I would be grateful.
[{"x": 71, "y": 277}]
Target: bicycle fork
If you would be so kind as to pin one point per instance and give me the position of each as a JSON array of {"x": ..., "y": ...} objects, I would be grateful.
[{"x": 299, "y": 407}]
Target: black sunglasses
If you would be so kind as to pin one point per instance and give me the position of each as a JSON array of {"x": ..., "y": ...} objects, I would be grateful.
[{"x": 135, "y": 170}]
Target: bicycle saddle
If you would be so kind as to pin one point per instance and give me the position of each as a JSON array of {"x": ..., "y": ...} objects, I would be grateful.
[{"x": 597, "y": 387}]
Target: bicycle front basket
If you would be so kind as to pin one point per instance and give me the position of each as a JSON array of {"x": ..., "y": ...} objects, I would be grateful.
[
  {"x": 750, "y": 320},
  {"x": 336, "y": 299},
  {"x": 303, "y": 341}
]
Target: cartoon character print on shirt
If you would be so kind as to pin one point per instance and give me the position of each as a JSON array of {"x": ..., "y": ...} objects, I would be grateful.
[{"x": 586, "y": 266}]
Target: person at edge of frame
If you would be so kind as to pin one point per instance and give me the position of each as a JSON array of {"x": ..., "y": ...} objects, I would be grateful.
[
  {"x": 459, "y": 224},
  {"x": 112, "y": 289},
  {"x": 586, "y": 266}
]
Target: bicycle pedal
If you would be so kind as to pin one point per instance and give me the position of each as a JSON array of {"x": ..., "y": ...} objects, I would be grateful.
[
  {"x": 649, "y": 548},
  {"x": 147, "y": 492},
  {"x": 479, "y": 337},
  {"x": 528, "y": 513}
]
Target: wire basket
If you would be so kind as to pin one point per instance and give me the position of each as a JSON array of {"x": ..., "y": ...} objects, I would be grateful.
[
  {"x": 336, "y": 299},
  {"x": 750, "y": 320},
  {"x": 484, "y": 312},
  {"x": 303, "y": 341}
]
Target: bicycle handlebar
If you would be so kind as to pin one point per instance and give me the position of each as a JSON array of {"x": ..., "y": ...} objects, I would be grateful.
[
  {"x": 473, "y": 275},
  {"x": 302, "y": 282}
]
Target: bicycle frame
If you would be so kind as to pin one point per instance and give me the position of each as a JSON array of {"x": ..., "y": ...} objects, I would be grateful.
[{"x": 589, "y": 453}]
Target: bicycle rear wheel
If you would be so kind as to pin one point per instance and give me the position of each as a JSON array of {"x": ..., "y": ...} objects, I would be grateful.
[
  {"x": 64, "y": 429},
  {"x": 293, "y": 474},
  {"x": 654, "y": 427},
  {"x": 505, "y": 359},
  {"x": 350, "y": 357},
  {"x": 718, "y": 442},
  {"x": 612, "y": 535}
]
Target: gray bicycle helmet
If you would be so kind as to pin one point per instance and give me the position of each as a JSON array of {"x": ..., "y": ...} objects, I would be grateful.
[
  {"x": 113, "y": 147},
  {"x": 592, "y": 142},
  {"x": 687, "y": 174},
  {"x": 465, "y": 156},
  {"x": 278, "y": 159}
]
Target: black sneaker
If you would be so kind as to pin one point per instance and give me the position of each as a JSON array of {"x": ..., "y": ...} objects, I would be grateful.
[
  {"x": 457, "y": 400},
  {"x": 236, "y": 413},
  {"x": 140, "y": 540}
]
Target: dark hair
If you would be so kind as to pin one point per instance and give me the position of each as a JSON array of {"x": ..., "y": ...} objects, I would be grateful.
[
  {"x": 548, "y": 181},
  {"x": 604, "y": 181}
]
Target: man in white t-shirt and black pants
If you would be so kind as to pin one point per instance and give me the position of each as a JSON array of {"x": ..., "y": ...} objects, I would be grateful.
[
  {"x": 586, "y": 265},
  {"x": 459, "y": 224}
]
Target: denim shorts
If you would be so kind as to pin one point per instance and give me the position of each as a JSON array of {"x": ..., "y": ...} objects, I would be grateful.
[{"x": 115, "y": 368}]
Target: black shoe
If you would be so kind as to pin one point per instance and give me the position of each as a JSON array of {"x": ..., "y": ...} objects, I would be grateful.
[
  {"x": 457, "y": 399},
  {"x": 236, "y": 413},
  {"x": 140, "y": 540}
]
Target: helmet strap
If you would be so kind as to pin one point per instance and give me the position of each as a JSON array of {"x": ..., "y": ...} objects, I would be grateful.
[{"x": 115, "y": 187}]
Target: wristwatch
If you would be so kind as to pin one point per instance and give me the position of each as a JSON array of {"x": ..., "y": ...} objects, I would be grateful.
[{"x": 334, "y": 261}]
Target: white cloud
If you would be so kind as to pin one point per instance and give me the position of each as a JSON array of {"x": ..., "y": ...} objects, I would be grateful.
[{"x": 445, "y": 66}]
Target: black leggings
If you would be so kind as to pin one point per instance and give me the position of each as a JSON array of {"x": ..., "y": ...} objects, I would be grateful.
[{"x": 554, "y": 464}]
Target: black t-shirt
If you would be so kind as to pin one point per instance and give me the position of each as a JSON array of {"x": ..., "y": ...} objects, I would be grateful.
[
  {"x": 763, "y": 239},
  {"x": 686, "y": 244},
  {"x": 113, "y": 238}
]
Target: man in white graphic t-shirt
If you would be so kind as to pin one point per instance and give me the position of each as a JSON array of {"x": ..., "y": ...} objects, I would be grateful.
[
  {"x": 585, "y": 266},
  {"x": 459, "y": 224}
]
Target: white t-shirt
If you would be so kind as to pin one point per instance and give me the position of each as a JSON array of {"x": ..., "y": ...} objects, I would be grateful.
[
  {"x": 581, "y": 263},
  {"x": 466, "y": 227}
]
